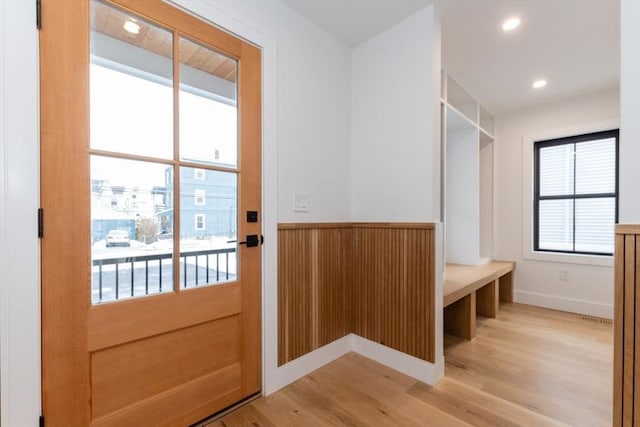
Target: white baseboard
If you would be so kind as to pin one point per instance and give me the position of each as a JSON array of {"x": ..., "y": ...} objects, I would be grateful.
[
  {"x": 564, "y": 304},
  {"x": 429, "y": 373},
  {"x": 419, "y": 369},
  {"x": 304, "y": 365}
]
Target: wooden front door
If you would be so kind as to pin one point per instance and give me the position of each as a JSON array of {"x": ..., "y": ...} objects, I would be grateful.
[{"x": 151, "y": 176}]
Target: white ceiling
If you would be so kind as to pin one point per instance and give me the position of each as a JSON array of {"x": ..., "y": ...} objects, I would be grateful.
[
  {"x": 355, "y": 21},
  {"x": 574, "y": 44}
]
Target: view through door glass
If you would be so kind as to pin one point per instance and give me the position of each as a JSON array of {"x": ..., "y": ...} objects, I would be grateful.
[{"x": 164, "y": 158}]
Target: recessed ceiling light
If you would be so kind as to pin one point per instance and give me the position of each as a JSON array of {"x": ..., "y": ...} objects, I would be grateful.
[
  {"x": 131, "y": 27},
  {"x": 538, "y": 84},
  {"x": 511, "y": 24}
]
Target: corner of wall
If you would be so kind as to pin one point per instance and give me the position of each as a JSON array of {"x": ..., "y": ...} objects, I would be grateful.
[
  {"x": 429, "y": 373},
  {"x": 439, "y": 298},
  {"x": 405, "y": 112},
  {"x": 281, "y": 376}
]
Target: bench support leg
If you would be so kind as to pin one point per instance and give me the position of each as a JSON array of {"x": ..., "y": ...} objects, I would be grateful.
[
  {"x": 460, "y": 317},
  {"x": 506, "y": 287},
  {"x": 487, "y": 299}
]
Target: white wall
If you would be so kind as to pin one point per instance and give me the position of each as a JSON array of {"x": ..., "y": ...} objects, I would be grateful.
[
  {"x": 463, "y": 197},
  {"x": 630, "y": 111},
  {"x": 486, "y": 198},
  {"x": 589, "y": 289},
  {"x": 395, "y": 122},
  {"x": 313, "y": 79},
  {"x": 19, "y": 246}
]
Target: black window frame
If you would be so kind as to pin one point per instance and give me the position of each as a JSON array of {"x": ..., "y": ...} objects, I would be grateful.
[{"x": 576, "y": 139}]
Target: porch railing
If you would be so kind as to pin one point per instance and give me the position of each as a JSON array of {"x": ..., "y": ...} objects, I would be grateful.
[{"x": 126, "y": 277}]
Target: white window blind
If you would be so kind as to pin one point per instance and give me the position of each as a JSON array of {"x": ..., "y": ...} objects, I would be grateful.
[{"x": 576, "y": 190}]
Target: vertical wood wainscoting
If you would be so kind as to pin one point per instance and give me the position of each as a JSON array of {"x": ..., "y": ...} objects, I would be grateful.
[
  {"x": 374, "y": 280},
  {"x": 393, "y": 286},
  {"x": 313, "y": 287},
  {"x": 626, "y": 363}
]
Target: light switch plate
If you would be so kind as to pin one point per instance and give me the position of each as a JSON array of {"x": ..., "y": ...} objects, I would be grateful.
[{"x": 300, "y": 201}]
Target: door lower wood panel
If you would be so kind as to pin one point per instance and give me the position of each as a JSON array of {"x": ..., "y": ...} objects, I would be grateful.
[
  {"x": 374, "y": 280},
  {"x": 120, "y": 375}
]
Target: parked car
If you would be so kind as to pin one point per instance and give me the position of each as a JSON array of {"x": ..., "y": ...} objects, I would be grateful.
[{"x": 118, "y": 238}]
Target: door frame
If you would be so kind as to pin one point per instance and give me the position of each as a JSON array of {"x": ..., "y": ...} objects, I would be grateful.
[{"x": 19, "y": 201}]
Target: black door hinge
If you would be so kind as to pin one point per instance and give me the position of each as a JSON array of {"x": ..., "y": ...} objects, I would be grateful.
[
  {"x": 41, "y": 420},
  {"x": 40, "y": 223},
  {"x": 38, "y": 14}
]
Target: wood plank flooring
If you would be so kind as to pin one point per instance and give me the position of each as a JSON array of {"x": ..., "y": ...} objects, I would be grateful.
[{"x": 528, "y": 367}]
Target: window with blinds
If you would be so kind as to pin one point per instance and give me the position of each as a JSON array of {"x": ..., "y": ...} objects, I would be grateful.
[{"x": 576, "y": 193}]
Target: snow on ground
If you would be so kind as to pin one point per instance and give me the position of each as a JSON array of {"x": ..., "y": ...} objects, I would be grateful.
[{"x": 100, "y": 251}]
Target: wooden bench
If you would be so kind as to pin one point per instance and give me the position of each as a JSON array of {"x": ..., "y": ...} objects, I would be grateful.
[{"x": 471, "y": 289}]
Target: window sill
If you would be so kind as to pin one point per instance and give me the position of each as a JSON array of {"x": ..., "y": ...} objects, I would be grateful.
[{"x": 595, "y": 260}]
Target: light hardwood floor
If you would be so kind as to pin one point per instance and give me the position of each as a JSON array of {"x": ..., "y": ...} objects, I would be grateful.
[{"x": 528, "y": 367}]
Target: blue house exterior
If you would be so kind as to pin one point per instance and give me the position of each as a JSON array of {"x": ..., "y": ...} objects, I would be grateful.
[{"x": 208, "y": 203}]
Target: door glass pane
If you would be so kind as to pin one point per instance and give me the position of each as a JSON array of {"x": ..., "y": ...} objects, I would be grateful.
[
  {"x": 131, "y": 229},
  {"x": 556, "y": 225},
  {"x": 208, "y": 112},
  {"x": 208, "y": 221},
  {"x": 131, "y": 84}
]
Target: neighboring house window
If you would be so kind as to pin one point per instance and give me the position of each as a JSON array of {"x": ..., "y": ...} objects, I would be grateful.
[
  {"x": 199, "y": 197},
  {"x": 199, "y": 219},
  {"x": 198, "y": 173},
  {"x": 576, "y": 193}
]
